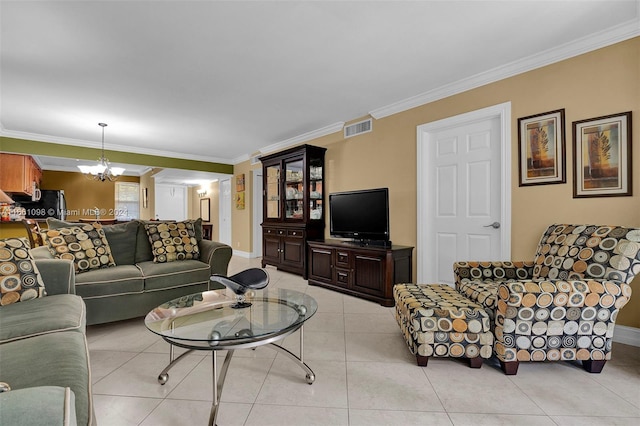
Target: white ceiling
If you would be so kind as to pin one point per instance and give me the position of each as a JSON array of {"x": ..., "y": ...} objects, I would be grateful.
[{"x": 222, "y": 80}]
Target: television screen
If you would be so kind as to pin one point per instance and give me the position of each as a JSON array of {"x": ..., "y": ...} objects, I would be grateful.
[{"x": 361, "y": 215}]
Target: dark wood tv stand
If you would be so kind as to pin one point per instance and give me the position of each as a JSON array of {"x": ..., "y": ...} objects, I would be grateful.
[{"x": 368, "y": 272}]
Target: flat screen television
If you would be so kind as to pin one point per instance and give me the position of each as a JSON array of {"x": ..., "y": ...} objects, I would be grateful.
[{"x": 361, "y": 215}]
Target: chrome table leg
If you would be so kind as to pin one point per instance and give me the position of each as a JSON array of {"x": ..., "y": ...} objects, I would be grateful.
[
  {"x": 218, "y": 383},
  {"x": 299, "y": 360},
  {"x": 164, "y": 375}
]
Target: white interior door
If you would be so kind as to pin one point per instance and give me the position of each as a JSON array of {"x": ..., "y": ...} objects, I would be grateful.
[
  {"x": 464, "y": 201},
  {"x": 257, "y": 213},
  {"x": 225, "y": 212},
  {"x": 170, "y": 202}
]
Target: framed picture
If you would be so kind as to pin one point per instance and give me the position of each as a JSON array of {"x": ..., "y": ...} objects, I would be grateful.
[
  {"x": 204, "y": 210},
  {"x": 240, "y": 200},
  {"x": 541, "y": 149},
  {"x": 602, "y": 156},
  {"x": 240, "y": 183}
]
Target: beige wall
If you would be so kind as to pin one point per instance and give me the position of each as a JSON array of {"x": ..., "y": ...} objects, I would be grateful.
[
  {"x": 146, "y": 182},
  {"x": 213, "y": 192},
  {"x": 83, "y": 194},
  {"x": 241, "y": 219},
  {"x": 601, "y": 82}
]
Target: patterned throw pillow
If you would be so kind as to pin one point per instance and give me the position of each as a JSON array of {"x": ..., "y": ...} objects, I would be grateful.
[
  {"x": 19, "y": 276},
  {"x": 173, "y": 241},
  {"x": 85, "y": 245}
]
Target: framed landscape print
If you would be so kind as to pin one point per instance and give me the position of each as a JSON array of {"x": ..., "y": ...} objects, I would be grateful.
[
  {"x": 602, "y": 156},
  {"x": 541, "y": 149},
  {"x": 240, "y": 200},
  {"x": 240, "y": 182}
]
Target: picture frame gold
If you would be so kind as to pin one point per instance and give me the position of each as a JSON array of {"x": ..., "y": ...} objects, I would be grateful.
[
  {"x": 542, "y": 149},
  {"x": 602, "y": 156}
]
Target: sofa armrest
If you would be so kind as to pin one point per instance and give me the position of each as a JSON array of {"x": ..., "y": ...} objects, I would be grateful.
[
  {"x": 216, "y": 254},
  {"x": 493, "y": 271},
  {"x": 41, "y": 252},
  {"x": 58, "y": 275},
  {"x": 557, "y": 320}
]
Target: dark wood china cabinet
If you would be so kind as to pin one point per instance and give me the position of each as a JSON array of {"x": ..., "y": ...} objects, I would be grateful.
[{"x": 294, "y": 206}]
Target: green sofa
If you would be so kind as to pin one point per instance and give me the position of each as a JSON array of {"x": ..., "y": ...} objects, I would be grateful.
[
  {"x": 137, "y": 284},
  {"x": 44, "y": 356}
]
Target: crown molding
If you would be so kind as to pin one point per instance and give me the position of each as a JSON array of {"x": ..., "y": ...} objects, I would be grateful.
[
  {"x": 314, "y": 134},
  {"x": 240, "y": 159},
  {"x": 592, "y": 42},
  {"x": 112, "y": 147}
]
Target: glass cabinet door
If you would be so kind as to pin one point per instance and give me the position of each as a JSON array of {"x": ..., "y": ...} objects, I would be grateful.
[
  {"x": 294, "y": 189},
  {"x": 272, "y": 195},
  {"x": 316, "y": 176}
]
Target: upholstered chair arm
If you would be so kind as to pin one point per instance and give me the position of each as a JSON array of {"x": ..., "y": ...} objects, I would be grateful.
[
  {"x": 216, "y": 254},
  {"x": 557, "y": 320},
  {"x": 41, "y": 252},
  {"x": 491, "y": 271},
  {"x": 479, "y": 281},
  {"x": 58, "y": 275}
]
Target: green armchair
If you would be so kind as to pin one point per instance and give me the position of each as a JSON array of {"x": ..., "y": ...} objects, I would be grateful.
[{"x": 44, "y": 356}]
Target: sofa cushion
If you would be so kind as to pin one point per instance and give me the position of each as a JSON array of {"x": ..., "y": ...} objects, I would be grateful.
[
  {"x": 123, "y": 279},
  {"x": 61, "y": 312},
  {"x": 159, "y": 276},
  {"x": 38, "y": 406},
  {"x": 62, "y": 359},
  {"x": 570, "y": 252},
  {"x": 172, "y": 241},
  {"x": 85, "y": 245},
  {"x": 122, "y": 238},
  {"x": 19, "y": 276}
]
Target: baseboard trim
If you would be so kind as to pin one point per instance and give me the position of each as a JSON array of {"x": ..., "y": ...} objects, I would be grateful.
[
  {"x": 243, "y": 254},
  {"x": 627, "y": 335}
]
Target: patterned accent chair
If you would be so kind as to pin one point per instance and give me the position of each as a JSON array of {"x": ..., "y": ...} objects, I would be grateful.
[{"x": 562, "y": 306}]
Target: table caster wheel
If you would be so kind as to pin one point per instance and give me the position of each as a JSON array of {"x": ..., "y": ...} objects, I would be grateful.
[
  {"x": 310, "y": 378},
  {"x": 162, "y": 379}
]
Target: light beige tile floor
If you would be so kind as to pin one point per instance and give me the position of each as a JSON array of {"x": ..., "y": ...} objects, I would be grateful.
[{"x": 365, "y": 375}]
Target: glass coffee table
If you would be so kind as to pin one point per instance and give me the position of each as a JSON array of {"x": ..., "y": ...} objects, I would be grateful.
[{"x": 207, "y": 321}]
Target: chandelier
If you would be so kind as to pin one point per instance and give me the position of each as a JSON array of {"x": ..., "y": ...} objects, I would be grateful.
[{"x": 103, "y": 170}]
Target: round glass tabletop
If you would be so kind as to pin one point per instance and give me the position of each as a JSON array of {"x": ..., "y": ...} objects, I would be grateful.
[{"x": 207, "y": 320}]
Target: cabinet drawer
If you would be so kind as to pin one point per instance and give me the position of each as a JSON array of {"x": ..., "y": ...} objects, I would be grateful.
[
  {"x": 274, "y": 231},
  {"x": 342, "y": 258},
  {"x": 343, "y": 277},
  {"x": 296, "y": 233}
]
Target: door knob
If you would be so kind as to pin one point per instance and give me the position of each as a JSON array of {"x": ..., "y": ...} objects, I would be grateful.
[{"x": 494, "y": 225}]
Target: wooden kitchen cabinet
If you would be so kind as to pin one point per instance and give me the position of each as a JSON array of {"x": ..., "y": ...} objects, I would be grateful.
[{"x": 19, "y": 173}]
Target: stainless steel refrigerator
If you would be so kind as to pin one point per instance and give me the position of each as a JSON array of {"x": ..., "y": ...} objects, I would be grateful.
[{"x": 52, "y": 203}]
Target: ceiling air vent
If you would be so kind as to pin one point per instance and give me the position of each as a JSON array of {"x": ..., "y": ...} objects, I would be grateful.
[{"x": 357, "y": 128}]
